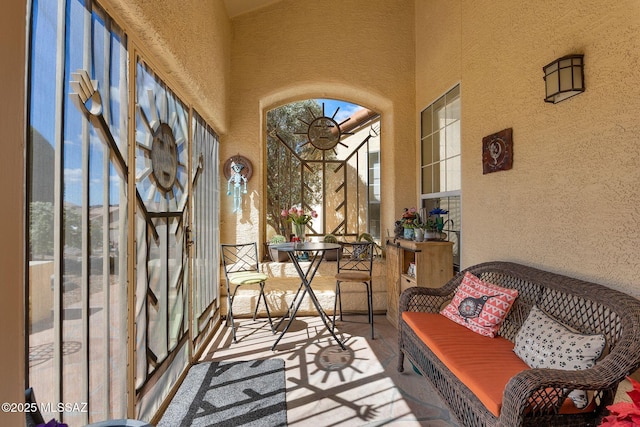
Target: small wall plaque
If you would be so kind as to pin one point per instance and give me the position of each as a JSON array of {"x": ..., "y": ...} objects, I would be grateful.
[{"x": 497, "y": 151}]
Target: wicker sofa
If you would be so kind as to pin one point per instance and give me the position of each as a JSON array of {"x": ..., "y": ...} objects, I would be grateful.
[{"x": 531, "y": 396}]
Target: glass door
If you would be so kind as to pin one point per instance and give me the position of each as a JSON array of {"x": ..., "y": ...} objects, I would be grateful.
[
  {"x": 161, "y": 296},
  {"x": 204, "y": 231}
]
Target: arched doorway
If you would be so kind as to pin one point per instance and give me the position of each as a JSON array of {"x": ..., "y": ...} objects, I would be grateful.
[{"x": 324, "y": 155}]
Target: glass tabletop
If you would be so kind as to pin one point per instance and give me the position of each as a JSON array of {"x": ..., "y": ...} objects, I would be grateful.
[{"x": 305, "y": 246}]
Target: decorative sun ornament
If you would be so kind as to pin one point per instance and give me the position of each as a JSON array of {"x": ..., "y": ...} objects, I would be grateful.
[
  {"x": 161, "y": 175},
  {"x": 164, "y": 158},
  {"x": 323, "y": 132}
]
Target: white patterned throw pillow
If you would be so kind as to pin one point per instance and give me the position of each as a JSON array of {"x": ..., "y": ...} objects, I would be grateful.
[{"x": 542, "y": 342}]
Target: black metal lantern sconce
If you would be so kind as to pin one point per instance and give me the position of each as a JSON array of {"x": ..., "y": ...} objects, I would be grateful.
[{"x": 564, "y": 78}]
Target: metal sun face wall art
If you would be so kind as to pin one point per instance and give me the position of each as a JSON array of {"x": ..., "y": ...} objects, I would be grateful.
[
  {"x": 164, "y": 157},
  {"x": 324, "y": 132},
  {"x": 161, "y": 143}
]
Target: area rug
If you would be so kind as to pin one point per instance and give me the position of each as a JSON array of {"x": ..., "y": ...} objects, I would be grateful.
[{"x": 251, "y": 394}]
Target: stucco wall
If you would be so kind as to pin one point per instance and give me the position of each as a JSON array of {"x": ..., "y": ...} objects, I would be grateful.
[
  {"x": 361, "y": 51},
  {"x": 188, "y": 44},
  {"x": 437, "y": 51},
  {"x": 571, "y": 203},
  {"x": 12, "y": 118}
]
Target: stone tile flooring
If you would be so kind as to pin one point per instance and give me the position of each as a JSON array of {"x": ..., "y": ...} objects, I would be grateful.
[{"x": 327, "y": 386}]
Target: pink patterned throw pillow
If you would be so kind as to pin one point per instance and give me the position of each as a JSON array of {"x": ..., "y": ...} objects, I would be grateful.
[{"x": 479, "y": 305}]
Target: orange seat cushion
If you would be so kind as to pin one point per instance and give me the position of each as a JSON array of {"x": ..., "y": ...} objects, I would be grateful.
[{"x": 485, "y": 365}]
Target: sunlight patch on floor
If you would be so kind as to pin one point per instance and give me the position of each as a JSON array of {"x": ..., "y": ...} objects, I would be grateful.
[{"x": 328, "y": 386}]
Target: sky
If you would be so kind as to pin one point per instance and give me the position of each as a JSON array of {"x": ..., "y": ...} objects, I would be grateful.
[{"x": 346, "y": 108}]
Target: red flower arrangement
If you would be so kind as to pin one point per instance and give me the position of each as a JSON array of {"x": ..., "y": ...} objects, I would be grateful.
[
  {"x": 297, "y": 215},
  {"x": 625, "y": 414}
]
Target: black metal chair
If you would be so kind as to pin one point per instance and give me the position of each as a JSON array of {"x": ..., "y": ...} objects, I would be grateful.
[
  {"x": 241, "y": 268},
  {"x": 355, "y": 265}
]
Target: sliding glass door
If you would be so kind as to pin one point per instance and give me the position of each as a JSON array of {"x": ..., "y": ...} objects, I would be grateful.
[{"x": 123, "y": 223}]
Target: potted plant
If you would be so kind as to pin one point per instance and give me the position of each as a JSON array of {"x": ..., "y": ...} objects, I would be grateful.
[
  {"x": 407, "y": 223},
  {"x": 435, "y": 224},
  {"x": 276, "y": 255},
  {"x": 331, "y": 255},
  {"x": 369, "y": 238},
  {"x": 418, "y": 231},
  {"x": 408, "y": 230},
  {"x": 431, "y": 231}
]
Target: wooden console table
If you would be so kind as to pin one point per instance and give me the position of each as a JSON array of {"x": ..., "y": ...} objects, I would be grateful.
[{"x": 433, "y": 262}]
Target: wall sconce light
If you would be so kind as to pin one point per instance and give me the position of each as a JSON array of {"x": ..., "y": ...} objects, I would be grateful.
[{"x": 564, "y": 78}]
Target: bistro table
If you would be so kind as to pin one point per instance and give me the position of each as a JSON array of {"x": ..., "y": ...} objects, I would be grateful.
[{"x": 317, "y": 250}]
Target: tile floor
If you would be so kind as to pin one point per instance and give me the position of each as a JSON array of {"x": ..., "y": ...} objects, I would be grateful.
[{"x": 327, "y": 386}]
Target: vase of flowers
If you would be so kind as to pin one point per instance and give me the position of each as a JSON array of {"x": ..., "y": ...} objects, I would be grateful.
[
  {"x": 299, "y": 221},
  {"x": 300, "y": 231}
]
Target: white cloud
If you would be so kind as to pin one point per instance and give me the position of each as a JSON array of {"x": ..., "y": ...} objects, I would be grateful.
[
  {"x": 346, "y": 111},
  {"x": 72, "y": 176}
]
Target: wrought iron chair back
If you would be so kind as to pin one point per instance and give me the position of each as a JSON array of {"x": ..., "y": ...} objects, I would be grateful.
[
  {"x": 240, "y": 257},
  {"x": 355, "y": 265},
  {"x": 241, "y": 267},
  {"x": 357, "y": 256}
]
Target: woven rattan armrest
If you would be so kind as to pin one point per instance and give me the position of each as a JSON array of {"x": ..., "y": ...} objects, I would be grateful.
[
  {"x": 430, "y": 300},
  {"x": 603, "y": 377},
  {"x": 549, "y": 388}
]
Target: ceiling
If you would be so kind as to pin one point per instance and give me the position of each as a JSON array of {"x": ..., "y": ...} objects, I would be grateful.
[{"x": 238, "y": 7}]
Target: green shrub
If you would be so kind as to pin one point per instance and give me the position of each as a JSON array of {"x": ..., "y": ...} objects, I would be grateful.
[
  {"x": 330, "y": 238},
  {"x": 278, "y": 238}
]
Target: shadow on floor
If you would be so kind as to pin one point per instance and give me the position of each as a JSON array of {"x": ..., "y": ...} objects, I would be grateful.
[{"x": 328, "y": 386}]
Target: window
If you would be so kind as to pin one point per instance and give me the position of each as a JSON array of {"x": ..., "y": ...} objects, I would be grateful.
[
  {"x": 324, "y": 155},
  {"x": 440, "y": 162}
]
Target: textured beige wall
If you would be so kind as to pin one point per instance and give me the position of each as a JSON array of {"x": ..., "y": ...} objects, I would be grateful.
[
  {"x": 188, "y": 43},
  {"x": 12, "y": 117},
  {"x": 437, "y": 51},
  {"x": 361, "y": 51},
  {"x": 571, "y": 203}
]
